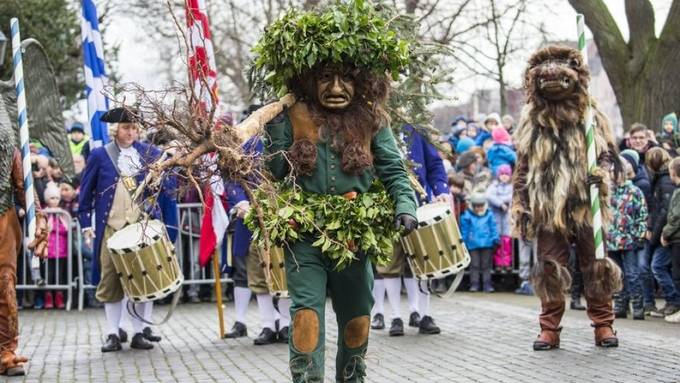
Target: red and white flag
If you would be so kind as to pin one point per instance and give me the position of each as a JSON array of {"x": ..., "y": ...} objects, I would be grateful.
[{"x": 203, "y": 73}]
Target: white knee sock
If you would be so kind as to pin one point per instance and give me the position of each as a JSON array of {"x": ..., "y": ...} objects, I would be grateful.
[
  {"x": 393, "y": 288},
  {"x": 412, "y": 293},
  {"x": 148, "y": 311},
  {"x": 241, "y": 300},
  {"x": 423, "y": 300},
  {"x": 140, "y": 309},
  {"x": 266, "y": 307},
  {"x": 379, "y": 297},
  {"x": 284, "y": 310},
  {"x": 113, "y": 312}
]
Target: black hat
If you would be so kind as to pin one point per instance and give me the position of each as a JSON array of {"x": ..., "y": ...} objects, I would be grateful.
[{"x": 119, "y": 115}]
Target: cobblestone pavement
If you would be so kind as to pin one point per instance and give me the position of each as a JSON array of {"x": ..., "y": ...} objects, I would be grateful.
[{"x": 485, "y": 338}]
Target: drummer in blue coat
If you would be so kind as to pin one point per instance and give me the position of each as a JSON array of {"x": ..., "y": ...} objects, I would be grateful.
[
  {"x": 429, "y": 170},
  {"x": 248, "y": 274},
  {"x": 110, "y": 177}
]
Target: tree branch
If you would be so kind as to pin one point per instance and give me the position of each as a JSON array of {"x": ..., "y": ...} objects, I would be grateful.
[{"x": 640, "y": 15}]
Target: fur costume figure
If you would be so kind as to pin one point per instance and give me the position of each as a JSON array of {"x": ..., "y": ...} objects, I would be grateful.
[{"x": 551, "y": 202}]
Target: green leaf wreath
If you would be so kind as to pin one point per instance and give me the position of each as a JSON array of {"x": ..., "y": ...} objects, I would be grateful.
[
  {"x": 346, "y": 32},
  {"x": 339, "y": 226}
]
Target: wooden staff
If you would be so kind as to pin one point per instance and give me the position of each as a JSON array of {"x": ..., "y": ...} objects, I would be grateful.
[{"x": 218, "y": 292}]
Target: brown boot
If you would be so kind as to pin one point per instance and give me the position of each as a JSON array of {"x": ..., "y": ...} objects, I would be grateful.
[
  {"x": 602, "y": 315},
  {"x": 11, "y": 364},
  {"x": 605, "y": 336},
  {"x": 550, "y": 318}
]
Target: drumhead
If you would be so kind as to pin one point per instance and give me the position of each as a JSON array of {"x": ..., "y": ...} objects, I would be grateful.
[
  {"x": 428, "y": 213},
  {"x": 136, "y": 234}
]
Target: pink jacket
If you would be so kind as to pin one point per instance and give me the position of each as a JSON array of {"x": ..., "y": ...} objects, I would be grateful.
[{"x": 57, "y": 241}]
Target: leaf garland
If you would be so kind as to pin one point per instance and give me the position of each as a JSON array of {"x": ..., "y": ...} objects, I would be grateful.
[
  {"x": 346, "y": 32},
  {"x": 338, "y": 226}
]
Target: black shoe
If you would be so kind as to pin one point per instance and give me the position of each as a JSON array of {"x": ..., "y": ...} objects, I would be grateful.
[
  {"x": 149, "y": 335},
  {"x": 638, "y": 309},
  {"x": 282, "y": 335},
  {"x": 427, "y": 326},
  {"x": 15, "y": 371},
  {"x": 576, "y": 304},
  {"x": 414, "y": 319},
  {"x": 378, "y": 322},
  {"x": 239, "y": 330},
  {"x": 397, "y": 327},
  {"x": 122, "y": 334},
  {"x": 267, "y": 336},
  {"x": 112, "y": 344},
  {"x": 139, "y": 343}
]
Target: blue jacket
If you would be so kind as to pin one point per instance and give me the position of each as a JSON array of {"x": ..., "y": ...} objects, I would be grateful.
[
  {"x": 98, "y": 186},
  {"x": 479, "y": 232},
  {"x": 500, "y": 154},
  {"x": 482, "y": 136},
  {"x": 430, "y": 170},
  {"x": 235, "y": 194},
  {"x": 641, "y": 180}
]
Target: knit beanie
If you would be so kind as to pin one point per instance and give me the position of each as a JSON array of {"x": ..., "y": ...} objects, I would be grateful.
[
  {"x": 466, "y": 159},
  {"x": 673, "y": 118},
  {"x": 501, "y": 136},
  {"x": 504, "y": 169},
  {"x": 464, "y": 144},
  {"x": 477, "y": 198},
  {"x": 493, "y": 116},
  {"x": 51, "y": 190},
  {"x": 631, "y": 156}
]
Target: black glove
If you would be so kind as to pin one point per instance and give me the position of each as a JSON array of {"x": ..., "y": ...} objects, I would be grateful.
[
  {"x": 406, "y": 223},
  {"x": 594, "y": 180}
]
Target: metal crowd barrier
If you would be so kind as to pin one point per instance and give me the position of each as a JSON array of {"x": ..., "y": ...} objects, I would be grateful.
[
  {"x": 187, "y": 247},
  {"x": 25, "y": 281}
]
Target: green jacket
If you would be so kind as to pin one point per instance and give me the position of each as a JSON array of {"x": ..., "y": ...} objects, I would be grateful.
[
  {"x": 328, "y": 178},
  {"x": 671, "y": 232}
]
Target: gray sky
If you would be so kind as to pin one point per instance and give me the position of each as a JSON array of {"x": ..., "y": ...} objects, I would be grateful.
[{"x": 139, "y": 62}]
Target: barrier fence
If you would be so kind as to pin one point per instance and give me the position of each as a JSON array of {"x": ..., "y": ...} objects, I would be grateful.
[
  {"x": 58, "y": 273},
  {"x": 54, "y": 274}
]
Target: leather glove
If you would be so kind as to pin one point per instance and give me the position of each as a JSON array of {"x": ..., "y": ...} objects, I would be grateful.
[
  {"x": 405, "y": 223},
  {"x": 39, "y": 244}
]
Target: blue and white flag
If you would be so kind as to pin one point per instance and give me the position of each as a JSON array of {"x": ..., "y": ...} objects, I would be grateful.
[{"x": 95, "y": 74}]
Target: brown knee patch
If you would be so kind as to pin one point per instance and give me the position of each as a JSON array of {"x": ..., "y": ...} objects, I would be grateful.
[
  {"x": 356, "y": 331},
  {"x": 305, "y": 330}
]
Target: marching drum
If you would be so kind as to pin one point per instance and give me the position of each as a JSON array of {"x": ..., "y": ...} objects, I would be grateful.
[
  {"x": 145, "y": 261},
  {"x": 436, "y": 250},
  {"x": 277, "y": 273}
]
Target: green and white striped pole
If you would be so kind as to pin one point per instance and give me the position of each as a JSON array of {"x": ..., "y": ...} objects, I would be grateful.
[{"x": 590, "y": 125}]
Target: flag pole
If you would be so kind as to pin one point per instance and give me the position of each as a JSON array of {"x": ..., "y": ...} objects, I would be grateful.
[
  {"x": 589, "y": 126},
  {"x": 23, "y": 128},
  {"x": 218, "y": 291}
]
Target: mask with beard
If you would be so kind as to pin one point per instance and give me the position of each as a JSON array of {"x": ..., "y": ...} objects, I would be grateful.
[{"x": 343, "y": 105}]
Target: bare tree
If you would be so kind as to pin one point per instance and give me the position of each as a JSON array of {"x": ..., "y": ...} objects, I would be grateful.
[{"x": 644, "y": 70}]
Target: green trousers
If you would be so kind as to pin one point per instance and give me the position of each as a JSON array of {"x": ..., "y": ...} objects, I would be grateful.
[{"x": 309, "y": 275}]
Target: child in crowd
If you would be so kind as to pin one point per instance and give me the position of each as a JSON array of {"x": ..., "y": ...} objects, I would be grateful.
[
  {"x": 57, "y": 248},
  {"x": 626, "y": 231},
  {"x": 499, "y": 196},
  {"x": 456, "y": 186},
  {"x": 669, "y": 132},
  {"x": 479, "y": 232},
  {"x": 671, "y": 231},
  {"x": 54, "y": 171},
  {"x": 501, "y": 152}
]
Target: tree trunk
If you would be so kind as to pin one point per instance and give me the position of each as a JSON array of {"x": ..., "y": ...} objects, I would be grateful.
[{"x": 645, "y": 71}]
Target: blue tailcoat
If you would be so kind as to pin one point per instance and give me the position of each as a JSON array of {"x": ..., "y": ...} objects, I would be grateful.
[
  {"x": 235, "y": 194},
  {"x": 98, "y": 186},
  {"x": 430, "y": 173}
]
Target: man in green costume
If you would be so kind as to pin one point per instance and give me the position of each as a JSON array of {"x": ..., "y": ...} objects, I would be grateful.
[{"x": 335, "y": 140}]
